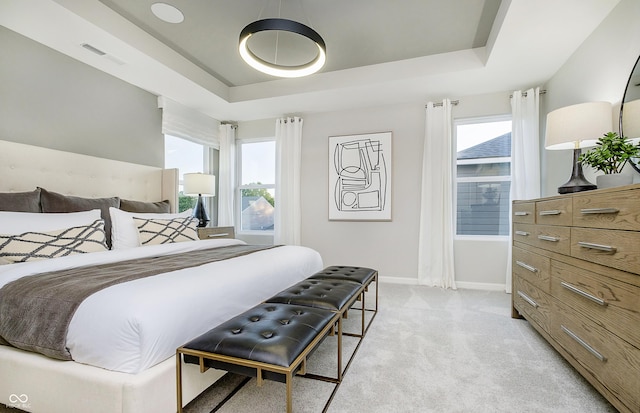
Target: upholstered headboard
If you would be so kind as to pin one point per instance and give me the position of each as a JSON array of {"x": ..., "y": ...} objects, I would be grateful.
[{"x": 25, "y": 167}]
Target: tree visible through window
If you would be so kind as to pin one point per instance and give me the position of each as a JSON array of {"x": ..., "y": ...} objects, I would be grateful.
[
  {"x": 256, "y": 191},
  {"x": 188, "y": 157},
  {"x": 483, "y": 176}
]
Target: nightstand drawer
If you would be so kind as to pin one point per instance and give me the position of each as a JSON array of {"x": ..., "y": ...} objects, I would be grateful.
[
  {"x": 611, "y": 303},
  {"x": 532, "y": 267},
  {"x": 524, "y": 212},
  {"x": 216, "y": 232},
  {"x": 611, "y": 210},
  {"x": 554, "y": 212},
  {"x": 613, "y": 248},
  {"x": 612, "y": 361},
  {"x": 532, "y": 303}
]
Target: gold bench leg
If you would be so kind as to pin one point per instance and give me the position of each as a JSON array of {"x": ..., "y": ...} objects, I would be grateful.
[
  {"x": 179, "y": 382},
  {"x": 289, "y": 390}
]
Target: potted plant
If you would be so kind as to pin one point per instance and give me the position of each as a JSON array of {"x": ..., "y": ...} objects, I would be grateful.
[{"x": 610, "y": 155}]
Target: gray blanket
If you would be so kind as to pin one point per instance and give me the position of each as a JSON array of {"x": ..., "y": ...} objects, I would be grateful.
[{"x": 35, "y": 311}]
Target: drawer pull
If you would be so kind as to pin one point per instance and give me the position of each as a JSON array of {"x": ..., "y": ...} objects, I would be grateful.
[
  {"x": 218, "y": 235},
  {"x": 526, "y": 266},
  {"x": 520, "y": 213},
  {"x": 523, "y": 233},
  {"x": 584, "y": 344},
  {"x": 548, "y": 238},
  {"x": 600, "y": 247},
  {"x": 599, "y": 211},
  {"x": 551, "y": 212},
  {"x": 583, "y": 293},
  {"x": 528, "y": 299}
]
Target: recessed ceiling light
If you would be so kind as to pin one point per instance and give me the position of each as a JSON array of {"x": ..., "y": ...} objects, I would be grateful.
[{"x": 167, "y": 13}]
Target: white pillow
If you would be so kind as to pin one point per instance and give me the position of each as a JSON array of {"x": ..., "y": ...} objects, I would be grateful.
[
  {"x": 14, "y": 223},
  {"x": 124, "y": 232}
]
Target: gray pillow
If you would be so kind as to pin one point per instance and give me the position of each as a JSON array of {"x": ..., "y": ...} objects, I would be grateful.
[
  {"x": 20, "y": 201},
  {"x": 160, "y": 207},
  {"x": 54, "y": 202}
]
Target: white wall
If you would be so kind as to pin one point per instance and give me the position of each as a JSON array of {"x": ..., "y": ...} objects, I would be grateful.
[
  {"x": 597, "y": 71},
  {"x": 391, "y": 247}
]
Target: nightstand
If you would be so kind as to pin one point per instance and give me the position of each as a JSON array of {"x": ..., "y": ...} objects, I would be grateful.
[{"x": 216, "y": 232}]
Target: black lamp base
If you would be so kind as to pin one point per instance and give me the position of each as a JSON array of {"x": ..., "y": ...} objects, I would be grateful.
[
  {"x": 577, "y": 182},
  {"x": 200, "y": 213}
]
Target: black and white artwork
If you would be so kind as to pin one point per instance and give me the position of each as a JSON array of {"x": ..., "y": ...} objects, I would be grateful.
[{"x": 360, "y": 177}]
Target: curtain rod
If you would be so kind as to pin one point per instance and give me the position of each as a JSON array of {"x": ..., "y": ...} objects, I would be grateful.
[
  {"x": 453, "y": 102},
  {"x": 542, "y": 92}
]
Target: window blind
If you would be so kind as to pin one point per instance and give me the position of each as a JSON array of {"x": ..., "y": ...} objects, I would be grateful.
[{"x": 186, "y": 123}]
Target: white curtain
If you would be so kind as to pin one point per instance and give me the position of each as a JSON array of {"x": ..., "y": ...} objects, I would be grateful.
[
  {"x": 435, "y": 255},
  {"x": 525, "y": 153},
  {"x": 288, "y": 162},
  {"x": 226, "y": 174}
]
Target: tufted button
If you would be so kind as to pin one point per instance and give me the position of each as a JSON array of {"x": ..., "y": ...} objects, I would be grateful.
[
  {"x": 299, "y": 312},
  {"x": 270, "y": 309},
  {"x": 236, "y": 330},
  {"x": 254, "y": 318},
  {"x": 267, "y": 334},
  {"x": 284, "y": 322}
]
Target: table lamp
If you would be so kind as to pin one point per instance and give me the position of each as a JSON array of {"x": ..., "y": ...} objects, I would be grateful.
[
  {"x": 576, "y": 127},
  {"x": 202, "y": 185}
]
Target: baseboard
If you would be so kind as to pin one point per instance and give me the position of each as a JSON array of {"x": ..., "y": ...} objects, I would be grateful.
[
  {"x": 480, "y": 286},
  {"x": 399, "y": 280},
  {"x": 459, "y": 284}
]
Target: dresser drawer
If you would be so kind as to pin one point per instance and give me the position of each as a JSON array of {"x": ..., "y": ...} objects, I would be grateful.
[
  {"x": 611, "y": 303},
  {"x": 532, "y": 303},
  {"x": 524, "y": 212},
  {"x": 614, "y": 362},
  {"x": 611, "y": 210},
  {"x": 613, "y": 248},
  {"x": 548, "y": 237},
  {"x": 554, "y": 212},
  {"x": 216, "y": 232},
  {"x": 532, "y": 267}
]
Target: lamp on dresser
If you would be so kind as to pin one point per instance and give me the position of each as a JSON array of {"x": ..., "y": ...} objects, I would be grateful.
[
  {"x": 202, "y": 185},
  {"x": 576, "y": 127}
]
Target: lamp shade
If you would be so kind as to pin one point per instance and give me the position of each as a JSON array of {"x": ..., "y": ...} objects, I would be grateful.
[
  {"x": 578, "y": 126},
  {"x": 631, "y": 119},
  {"x": 199, "y": 184}
]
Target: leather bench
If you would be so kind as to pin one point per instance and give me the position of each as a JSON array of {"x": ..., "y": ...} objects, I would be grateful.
[
  {"x": 361, "y": 275},
  {"x": 333, "y": 295},
  {"x": 270, "y": 341}
]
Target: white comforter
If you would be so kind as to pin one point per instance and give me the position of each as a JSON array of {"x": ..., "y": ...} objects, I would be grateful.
[{"x": 132, "y": 326}]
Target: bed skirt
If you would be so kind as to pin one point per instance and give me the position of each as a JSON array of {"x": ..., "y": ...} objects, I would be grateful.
[{"x": 54, "y": 386}]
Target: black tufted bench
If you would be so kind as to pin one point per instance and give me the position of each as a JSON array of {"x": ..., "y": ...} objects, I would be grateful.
[
  {"x": 333, "y": 295},
  {"x": 361, "y": 275},
  {"x": 270, "y": 341}
]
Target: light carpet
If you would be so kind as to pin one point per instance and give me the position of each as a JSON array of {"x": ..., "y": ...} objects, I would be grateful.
[{"x": 428, "y": 350}]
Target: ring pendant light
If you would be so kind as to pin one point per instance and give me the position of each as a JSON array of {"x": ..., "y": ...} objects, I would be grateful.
[{"x": 273, "y": 69}]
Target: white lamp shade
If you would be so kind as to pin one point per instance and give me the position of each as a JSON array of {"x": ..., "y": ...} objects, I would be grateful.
[
  {"x": 578, "y": 126},
  {"x": 199, "y": 184},
  {"x": 631, "y": 119}
]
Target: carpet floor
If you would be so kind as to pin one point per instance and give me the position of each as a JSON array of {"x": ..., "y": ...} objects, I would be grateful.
[{"x": 427, "y": 350}]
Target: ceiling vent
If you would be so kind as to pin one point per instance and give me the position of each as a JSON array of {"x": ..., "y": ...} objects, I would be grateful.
[{"x": 99, "y": 52}]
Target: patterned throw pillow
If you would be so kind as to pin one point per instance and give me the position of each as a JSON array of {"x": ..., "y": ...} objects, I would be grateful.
[
  {"x": 166, "y": 231},
  {"x": 32, "y": 246}
]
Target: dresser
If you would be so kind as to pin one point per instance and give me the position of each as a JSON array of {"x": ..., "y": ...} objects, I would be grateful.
[{"x": 576, "y": 279}]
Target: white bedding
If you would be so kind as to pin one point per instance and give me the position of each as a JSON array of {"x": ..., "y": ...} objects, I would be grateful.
[{"x": 132, "y": 326}]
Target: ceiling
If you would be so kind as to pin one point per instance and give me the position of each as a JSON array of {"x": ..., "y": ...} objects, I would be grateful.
[{"x": 378, "y": 52}]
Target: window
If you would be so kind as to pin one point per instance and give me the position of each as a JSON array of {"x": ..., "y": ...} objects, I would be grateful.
[
  {"x": 483, "y": 176},
  {"x": 256, "y": 191},
  {"x": 188, "y": 157}
]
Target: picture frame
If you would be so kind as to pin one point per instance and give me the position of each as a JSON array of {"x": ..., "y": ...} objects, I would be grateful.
[{"x": 360, "y": 177}]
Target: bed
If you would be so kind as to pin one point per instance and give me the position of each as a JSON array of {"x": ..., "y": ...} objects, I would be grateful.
[{"x": 151, "y": 315}]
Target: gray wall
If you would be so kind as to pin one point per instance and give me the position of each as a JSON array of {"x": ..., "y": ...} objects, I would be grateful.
[
  {"x": 597, "y": 71},
  {"x": 51, "y": 100}
]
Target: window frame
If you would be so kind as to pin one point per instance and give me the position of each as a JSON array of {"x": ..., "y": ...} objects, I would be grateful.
[
  {"x": 238, "y": 187},
  {"x": 479, "y": 179}
]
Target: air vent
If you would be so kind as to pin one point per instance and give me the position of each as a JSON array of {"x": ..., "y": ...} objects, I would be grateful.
[
  {"x": 99, "y": 52},
  {"x": 93, "y": 49}
]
